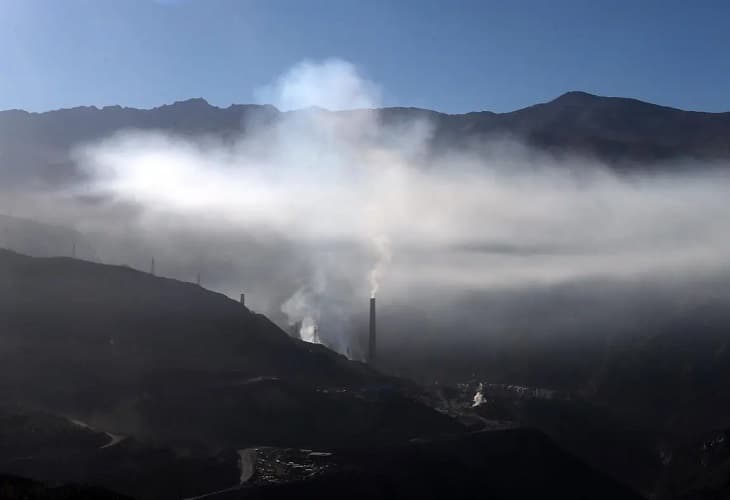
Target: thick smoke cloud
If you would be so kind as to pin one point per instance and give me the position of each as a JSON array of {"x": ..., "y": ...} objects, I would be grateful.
[
  {"x": 312, "y": 213},
  {"x": 333, "y": 84}
]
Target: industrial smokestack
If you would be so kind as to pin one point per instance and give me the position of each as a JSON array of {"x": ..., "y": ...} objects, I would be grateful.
[
  {"x": 371, "y": 343},
  {"x": 243, "y": 299}
]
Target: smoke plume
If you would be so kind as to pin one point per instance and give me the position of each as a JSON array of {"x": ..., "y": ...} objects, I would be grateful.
[
  {"x": 311, "y": 212},
  {"x": 382, "y": 250}
]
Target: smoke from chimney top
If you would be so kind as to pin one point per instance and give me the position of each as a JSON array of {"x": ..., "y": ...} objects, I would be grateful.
[{"x": 371, "y": 338}]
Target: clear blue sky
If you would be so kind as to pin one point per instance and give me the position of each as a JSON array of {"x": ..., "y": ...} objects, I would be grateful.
[{"x": 453, "y": 56}]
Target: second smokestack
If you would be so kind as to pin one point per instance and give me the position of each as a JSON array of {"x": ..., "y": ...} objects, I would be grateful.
[{"x": 371, "y": 342}]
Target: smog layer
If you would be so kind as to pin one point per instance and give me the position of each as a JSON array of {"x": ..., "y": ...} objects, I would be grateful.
[{"x": 316, "y": 210}]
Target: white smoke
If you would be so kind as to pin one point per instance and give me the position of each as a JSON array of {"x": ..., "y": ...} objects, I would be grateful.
[
  {"x": 479, "y": 398},
  {"x": 359, "y": 204},
  {"x": 381, "y": 245},
  {"x": 333, "y": 84},
  {"x": 303, "y": 308},
  {"x": 303, "y": 314}
]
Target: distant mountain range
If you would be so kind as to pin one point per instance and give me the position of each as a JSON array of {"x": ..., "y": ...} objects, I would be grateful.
[{"x": 622, "y": 132}]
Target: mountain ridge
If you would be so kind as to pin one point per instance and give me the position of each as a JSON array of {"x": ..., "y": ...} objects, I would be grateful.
[
  {"x": 622, "y": 133},
  {"x": 568, "y": 96}
]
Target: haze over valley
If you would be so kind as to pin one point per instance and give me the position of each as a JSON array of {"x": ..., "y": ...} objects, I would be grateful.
[{"x": 316, "y": 293}]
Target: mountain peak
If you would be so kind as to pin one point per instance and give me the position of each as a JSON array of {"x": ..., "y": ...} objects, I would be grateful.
[
  {"x": 577, "y": 97},
  {"x": 195, "y": 102}
]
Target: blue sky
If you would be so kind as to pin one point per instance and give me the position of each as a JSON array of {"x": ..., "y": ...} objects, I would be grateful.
[{"x": 453, "y": 56}]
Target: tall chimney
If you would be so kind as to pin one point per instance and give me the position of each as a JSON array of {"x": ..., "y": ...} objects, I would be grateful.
[
  {"x": 371, "y": 342},
  {"x": 243, "y": 299}
]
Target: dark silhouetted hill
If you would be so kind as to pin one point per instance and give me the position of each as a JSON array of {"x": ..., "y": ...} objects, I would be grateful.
[
  {"x": 511, "y": 464},
  {"x": 18, "y": 488},
  {"x": 623, "y": 132},
  {"x": 165, "y": 360}
]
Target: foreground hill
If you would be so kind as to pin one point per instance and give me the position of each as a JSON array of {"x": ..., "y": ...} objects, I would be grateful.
[
  {"x": 156, "y": 388},
  {"x": 509, "y": 464},
  {"x": 623, "y": 132},
  {"x": 163, "y": 360},
  {"x": 19, "y": 488}
]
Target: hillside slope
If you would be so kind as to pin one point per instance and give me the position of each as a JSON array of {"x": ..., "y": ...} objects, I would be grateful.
[
  {"x": 510, "y": 464},
  {"x": 164, "y": 360}
]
